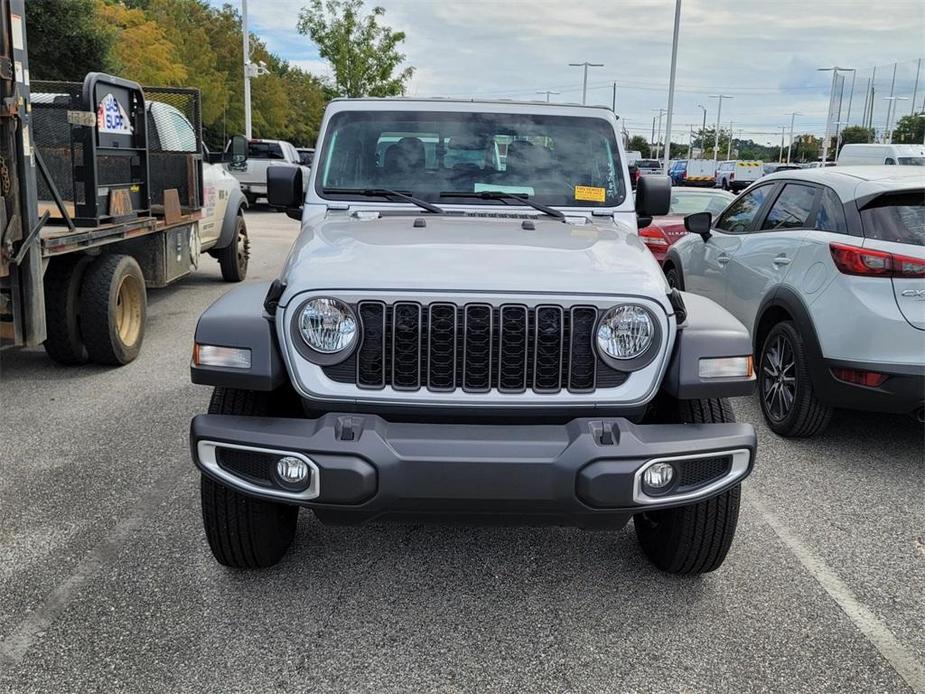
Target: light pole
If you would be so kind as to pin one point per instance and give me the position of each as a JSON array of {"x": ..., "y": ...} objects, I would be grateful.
[
  {"x": 790, "y": 146},
  {"x": 889, "y": 115},
  {"x": 658, "y": 139},
  {"x": 584, "y": 82},
  {"x": 674, "y": 64},
  {"x": 719, "y": 111},
  {"x": 613, "y": 105},
  {"x": 247, "y": 71},
  {"x": 703, "y": 132},
  {"x": 547, "y": 92},
  {"x": 825, "y": 141},
  {"x": 729, "y": 145},
  {"x": 780, "y": 156}
]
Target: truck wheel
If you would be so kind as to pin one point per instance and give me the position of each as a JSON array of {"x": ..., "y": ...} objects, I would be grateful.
[
  {"x": 63, "y": 342},
  {"x": 692, "y": 539},
  {"x": 244, "y": 532},
  {"x": 233, "y": 257},
  {"x": 785, "y": 389},
  {"x": 113, "y": 307}
]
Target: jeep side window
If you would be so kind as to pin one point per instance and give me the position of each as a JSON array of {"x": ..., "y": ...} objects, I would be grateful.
[
  {"x": 740, "y": 215},
  {"x": 792, "y": 208},
  {"x": 831, "y": 215}
]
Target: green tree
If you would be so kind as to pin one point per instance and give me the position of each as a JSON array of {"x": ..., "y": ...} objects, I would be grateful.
[
  {"x": 638, "y": 143},
  {"x": 67, "y": 39},
  {"x": 363, "y": 54},
  {"x": 142, "y": 52},
  {"x": 806, "y": 148},
  {"x": 910, "y": 129},
  {"x": 856, "y": 134}
]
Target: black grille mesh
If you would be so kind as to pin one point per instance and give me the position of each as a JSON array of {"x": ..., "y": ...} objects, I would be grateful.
[
  {"x": 697, "y": 473},
  {"x": 251, "y": 465},
  {"x": 477, "y": 347}
]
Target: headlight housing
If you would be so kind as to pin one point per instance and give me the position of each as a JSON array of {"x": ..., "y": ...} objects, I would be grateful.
[
  {"x": 327, "y": 325},
  {"x": 628, "y": 334}
]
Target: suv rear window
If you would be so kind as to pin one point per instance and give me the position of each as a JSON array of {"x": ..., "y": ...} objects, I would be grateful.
[
  {"x": 264, "y": 150},
  {"x": 898, "y": 218}
]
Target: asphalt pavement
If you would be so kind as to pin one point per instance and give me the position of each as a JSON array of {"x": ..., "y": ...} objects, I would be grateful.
[{"x": 107, "y": 584}]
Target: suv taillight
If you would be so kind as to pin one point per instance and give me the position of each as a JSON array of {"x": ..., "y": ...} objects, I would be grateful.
[
  {"x": 853, "y": 260},
  {"x": 654, "y": 237}
]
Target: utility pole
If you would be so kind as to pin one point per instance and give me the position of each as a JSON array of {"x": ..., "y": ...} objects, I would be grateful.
[
  {"x": 790, "y": 146},
  {"x": 866, "y": 97},
  {"x": 247, "y": 71},
  {"x": 729, "y": 146},
  {"x": 690, "y": 142},
  {"x": 780, "y": 156},
  {"x": 674, "y": 65},
  {"x": 825, "y": 141},
  {"x": 719, "y": 111},
  {"x": 854, "y": 74},
  {"x": 703, "y": 132},
  {"x": 841, "y": 100},
  {"x": 584, "y": 82},
  {"x": 915, "y": 89},
  {"x": 652, "y": 141},
  {"x": 547, "y": 92},
  {"x": 658, "y": 140},
  {"x": 613, "y": 104}
]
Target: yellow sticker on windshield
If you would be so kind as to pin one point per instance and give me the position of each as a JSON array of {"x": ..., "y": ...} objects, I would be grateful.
[{"x": 590, "y": 193}]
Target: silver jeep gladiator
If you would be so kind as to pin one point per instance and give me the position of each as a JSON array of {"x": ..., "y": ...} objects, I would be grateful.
[{"x": 469, "y": 327}]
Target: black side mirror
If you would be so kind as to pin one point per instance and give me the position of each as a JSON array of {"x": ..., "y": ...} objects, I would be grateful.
[
  {"x": 699, "y": 223},
  {"x": 284, "y": 189},
  {"x": 653, "y": 196},
  {"x": 238, "y": 151}
]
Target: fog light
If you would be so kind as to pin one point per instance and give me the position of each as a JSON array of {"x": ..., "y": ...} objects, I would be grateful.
[
  {"x": 658, "y": 476},
  {"x": 292, "y": 471}
]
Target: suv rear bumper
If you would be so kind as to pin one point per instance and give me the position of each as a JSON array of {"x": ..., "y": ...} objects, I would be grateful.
[
  {"x": 586, "y": 472},
  {"x": 903, "y": 392}
]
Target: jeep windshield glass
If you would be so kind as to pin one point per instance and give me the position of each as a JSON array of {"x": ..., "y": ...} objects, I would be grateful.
[{"x": 554, "y": 160}]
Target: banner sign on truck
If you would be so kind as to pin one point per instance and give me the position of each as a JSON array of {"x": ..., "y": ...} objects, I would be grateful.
[{"x": 111, "y": 118}]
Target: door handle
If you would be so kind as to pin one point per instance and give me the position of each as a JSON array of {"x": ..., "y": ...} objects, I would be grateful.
[
  {"x": 722, "y": 258},
  {"x": 781, "y": 260}
]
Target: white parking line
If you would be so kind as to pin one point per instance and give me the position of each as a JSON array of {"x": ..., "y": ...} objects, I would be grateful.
[
  {"x": 14, "y": 647},
  {"x": 905, "y": 664}
]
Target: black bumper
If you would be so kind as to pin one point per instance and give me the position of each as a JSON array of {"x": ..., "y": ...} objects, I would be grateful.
[
  {"x": 580, "y": 473},
  {"x": 903, "y": 392}
]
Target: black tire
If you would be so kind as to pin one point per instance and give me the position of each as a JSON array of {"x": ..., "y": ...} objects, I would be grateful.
[
  {"x": 673, "y": 275},
  {"x": 251, "y": 199},
  {"x": 233, "y": 257},
  {"x": 789, "y": 402},
  {"x": 244, "y": 532},
  {"x": 692, "y": 539},
  {"x": 63, "y": 342},
  {"x": 113, "y": 309},
  {"x": 725, "y": 185}
]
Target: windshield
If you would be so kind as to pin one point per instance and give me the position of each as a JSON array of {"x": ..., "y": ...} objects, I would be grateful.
[
  {"x": 911, "y": 161},
  {"x": 555, "y": 160},
  {"x": 899, "y": 218},
  {"x": 648, "y": 164},
  {"x": 685, "y": 203},
  {"x": 264, "y": 150}
]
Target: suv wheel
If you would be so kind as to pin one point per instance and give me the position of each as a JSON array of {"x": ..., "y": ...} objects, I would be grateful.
[
  {"x": 673, "y": 276},
  {"x": 692, "y": 539},
  {"x": 785, "y": 389},
  {"x": 244, "y": 532}
]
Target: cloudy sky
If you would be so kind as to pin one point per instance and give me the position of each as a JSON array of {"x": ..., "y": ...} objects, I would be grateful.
[{"x": 763, "y": 53}]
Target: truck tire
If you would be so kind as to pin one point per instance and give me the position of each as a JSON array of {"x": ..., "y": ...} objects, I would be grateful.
[
  {"x": 63, "y": 342},
  {"x": 113, "y": 307},
  {"x": 244, "y": 532},
  {"x": 788, "y": 402},
  {"x": 692, "y": 539},
  {"x": 233, "y": 257}
]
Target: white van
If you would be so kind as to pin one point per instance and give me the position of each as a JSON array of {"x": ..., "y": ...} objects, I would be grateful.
[{"x": 902, "y": 155}]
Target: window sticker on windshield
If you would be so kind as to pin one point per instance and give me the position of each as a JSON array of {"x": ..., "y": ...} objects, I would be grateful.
[{"x": 590, "y": 193}]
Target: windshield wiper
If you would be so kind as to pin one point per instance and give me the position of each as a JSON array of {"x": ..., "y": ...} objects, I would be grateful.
[
  {"x": 500, "y": 195},
  {"x": 386, "y": 193}
]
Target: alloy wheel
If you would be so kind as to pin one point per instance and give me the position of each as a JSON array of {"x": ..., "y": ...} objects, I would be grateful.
[{"x": 778, "y": 378}]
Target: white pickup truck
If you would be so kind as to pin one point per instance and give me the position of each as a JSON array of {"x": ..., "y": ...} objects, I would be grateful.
[
  {"x": 262, "y": 154},
  {"x": 736, "y": 174}
]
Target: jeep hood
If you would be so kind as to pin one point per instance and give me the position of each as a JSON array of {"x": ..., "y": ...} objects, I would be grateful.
[{"x": 463, "y": 254}]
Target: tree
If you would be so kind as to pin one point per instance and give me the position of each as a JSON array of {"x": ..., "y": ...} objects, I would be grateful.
[
  {"x": 67, "y": 39},
  {"x": 806, "y": 147},
  {"x": 638, "y": 143},
  {"x": 856, "y": 134},
  {"x": 910, "y": 129},
  {"x": 363, "y": 54},
  {"x": 142, "y": 52}
]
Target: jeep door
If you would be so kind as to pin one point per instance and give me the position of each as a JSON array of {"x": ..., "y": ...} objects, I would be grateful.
[
  {"x": 705, "y": 273},
  {"x": 761, "y": 262}
]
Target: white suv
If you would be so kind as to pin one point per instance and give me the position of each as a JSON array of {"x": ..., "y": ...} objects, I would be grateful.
[{"x": 826, "y": 267}]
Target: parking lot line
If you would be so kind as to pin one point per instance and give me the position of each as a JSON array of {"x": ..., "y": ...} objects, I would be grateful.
[{"x": 905, "y": 664}]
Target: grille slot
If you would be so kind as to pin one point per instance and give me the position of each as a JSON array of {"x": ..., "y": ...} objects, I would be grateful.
[
  {"x": 701, "y": 471},
  {"x": 254, "y": 466},
  {"x": 477, "y": 347}
]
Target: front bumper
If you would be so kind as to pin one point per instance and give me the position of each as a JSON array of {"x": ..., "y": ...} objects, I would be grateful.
[
  {"x": 258, "y": 189},
  {"x": 586, "y": 472}
]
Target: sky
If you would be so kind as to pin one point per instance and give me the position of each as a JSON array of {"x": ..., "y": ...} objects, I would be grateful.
[{"x": 764, "y": 54}]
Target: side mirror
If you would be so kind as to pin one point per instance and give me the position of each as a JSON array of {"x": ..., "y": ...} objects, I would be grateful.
[
  {"x": 284, "y": 189},
  {"x": 653, "y": 196},
  {"x": 238, "y": 151},
  {"x": 699, "y": 223}
]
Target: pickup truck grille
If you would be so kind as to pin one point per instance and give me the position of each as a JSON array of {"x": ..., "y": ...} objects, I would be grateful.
[{"x": 477, "y": 347}]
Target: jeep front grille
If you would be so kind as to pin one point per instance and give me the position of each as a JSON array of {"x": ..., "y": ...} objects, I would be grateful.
[{"x": 477, "y": 347}]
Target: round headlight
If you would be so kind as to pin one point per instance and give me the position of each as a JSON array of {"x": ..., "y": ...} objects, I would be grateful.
[
  {"x": 625, "y": 332},
  {"x": 328, "y": 325}
]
